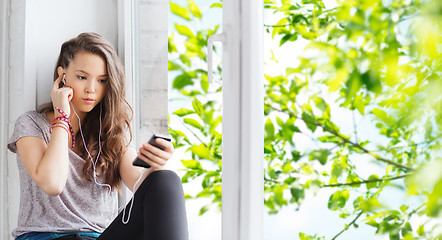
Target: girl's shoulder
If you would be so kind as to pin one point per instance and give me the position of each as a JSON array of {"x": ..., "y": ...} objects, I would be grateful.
[
  {"x": 32, "y": 117},
  {"x": 30, "y": 123}
]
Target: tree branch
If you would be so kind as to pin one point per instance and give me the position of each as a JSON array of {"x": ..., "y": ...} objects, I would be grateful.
[
  {"x": 355, "y": 127},
  {"x": 356, "y": 145},
  {"x": 367, "y": 181},
  {"x": 274, "y": 26},
  {"x": 346, "y": 140},
  {"x": 348, "y": 226}
]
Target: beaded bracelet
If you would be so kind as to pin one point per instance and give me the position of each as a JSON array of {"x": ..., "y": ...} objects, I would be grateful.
[
  {"x": 65, "y": 118},
  {"x": 62, "y": 112}
]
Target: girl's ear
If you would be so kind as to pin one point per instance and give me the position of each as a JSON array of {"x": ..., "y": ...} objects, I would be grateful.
[{"x": 60, "y": 70}]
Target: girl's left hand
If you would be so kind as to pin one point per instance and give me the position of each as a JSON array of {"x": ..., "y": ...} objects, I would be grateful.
[{"x": 154, "y": 156}]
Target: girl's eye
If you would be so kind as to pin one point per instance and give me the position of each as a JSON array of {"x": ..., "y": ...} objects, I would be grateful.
[
  {"x": 102, "y": 80},
  {"x": 81, "y": 77}
]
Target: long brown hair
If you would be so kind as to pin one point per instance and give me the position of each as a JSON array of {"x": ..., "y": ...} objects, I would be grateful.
[{"x": 116, "y": 111}]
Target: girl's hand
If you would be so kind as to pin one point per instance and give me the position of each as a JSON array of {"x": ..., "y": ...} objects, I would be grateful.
[
  {"x": 61, "y": 96},
  {"x": 154, "y": 156}
]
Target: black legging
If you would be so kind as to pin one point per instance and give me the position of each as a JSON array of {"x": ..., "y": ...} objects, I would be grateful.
[{"x": 158, "y": 211}]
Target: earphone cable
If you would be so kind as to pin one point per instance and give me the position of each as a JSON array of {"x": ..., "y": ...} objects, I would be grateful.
[{"x": 99, "y": 149}]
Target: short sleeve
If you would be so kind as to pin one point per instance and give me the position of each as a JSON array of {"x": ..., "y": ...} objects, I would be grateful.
[{"x": 25, "y": 126}]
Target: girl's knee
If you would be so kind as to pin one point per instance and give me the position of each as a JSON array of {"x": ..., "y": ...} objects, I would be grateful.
[{"x": 164, "y": 180}]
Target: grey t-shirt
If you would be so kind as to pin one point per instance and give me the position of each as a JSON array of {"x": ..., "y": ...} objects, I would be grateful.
[{"x": 82, "y": 206}]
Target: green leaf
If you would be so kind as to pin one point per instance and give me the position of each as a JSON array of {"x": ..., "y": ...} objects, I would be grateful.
[
  {"x": 185, "y": 59},
  {"x": 192, "y": 122},
  {"x": 288, "y": 38},
  {"x": 204, "y": 193},
  {"x": 337, "y": 169},
  {"x": 321, "y": 155},
  {"x": 216, "y": 5},
  {"x": 357, "y": 202},
  {"x": 351, "y": 178},
  {"x": 382, "y": 115},
  {"x": 434, "y": 207},
  {"x": 194, "y": 9},
  {"x": 205, "y": 83},
  {"x": 198, "y": 106},
  {"x": 404, "y": 208},
  {"x": 371, "y": 81},
  {"x": 421, "y": 230},
  {"x": 278, "y": 30},
  {"x": 309, "y": 121},
  {"x": 406, "y": 229},
  {"x": 172, "y": 66},
  {"x": 372, "y": 184},
  {"x": 339, "y": 78},
  {"x": 269, "y": 129},
  {"x": 359, "y": 104},
  {"x": 338, "y": 199},
  {"x": 181, "y": 81},
  {"x": 278, "y": 192},
  {"x": 297, "y": 195},
  {"x": 179, "y": 11},
  {"x": 203, "y": 210},
  {"x": 321, "y": 104},
  {"x": 296, "y": 155},
  {"x": 183, "y": 112},
  {"x": 201, "y": 151},
  {"x": 184, "y": 30},
  {"x": 370, "y": 205},
  {"x": 171, "y": 47},
  {"x": 192, "y": 164}
]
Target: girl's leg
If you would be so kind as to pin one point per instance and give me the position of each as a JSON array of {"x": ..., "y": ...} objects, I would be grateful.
[{"x": 158, "y": 211}]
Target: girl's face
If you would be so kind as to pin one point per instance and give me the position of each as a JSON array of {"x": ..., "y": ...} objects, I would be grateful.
[{"x": 87, "y": 76}]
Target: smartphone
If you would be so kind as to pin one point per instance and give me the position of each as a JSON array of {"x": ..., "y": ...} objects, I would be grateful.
[{"x": 140, "y": 163}]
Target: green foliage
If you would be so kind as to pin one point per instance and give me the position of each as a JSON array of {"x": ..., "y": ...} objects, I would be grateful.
[
  {"x": 371, "y": 60},
  {"x": 200, "y": 130}
]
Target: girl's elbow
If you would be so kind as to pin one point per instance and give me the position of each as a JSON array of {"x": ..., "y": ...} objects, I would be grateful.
[
  {"x": 53, "y": 189},
  {"x": 53, "y": 192}
]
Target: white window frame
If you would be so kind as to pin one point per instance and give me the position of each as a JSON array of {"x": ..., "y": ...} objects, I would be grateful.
[
  {"x": 243, "y": 118},
  {"x": 4, "y": 49}
]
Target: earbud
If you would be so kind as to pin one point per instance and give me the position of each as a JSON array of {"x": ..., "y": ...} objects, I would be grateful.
[{"x": 64, "y": 78}]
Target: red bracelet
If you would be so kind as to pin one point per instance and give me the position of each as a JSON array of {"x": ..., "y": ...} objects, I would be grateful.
[
  {"x": 65, "y": 118},
  {"x": 59, "y": 125}
]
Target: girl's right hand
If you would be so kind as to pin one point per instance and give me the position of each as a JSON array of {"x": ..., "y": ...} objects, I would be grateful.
[{"x": 61, "y": 96}]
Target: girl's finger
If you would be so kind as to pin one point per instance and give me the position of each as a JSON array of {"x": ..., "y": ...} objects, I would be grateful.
[
  {"x": 148, "y": 161},
  {"x": 156, "y": 151},
  {"x": 168, "y": 146},
  {"x": 56, "y": 83},
  {"x": 153, "y": 157}
]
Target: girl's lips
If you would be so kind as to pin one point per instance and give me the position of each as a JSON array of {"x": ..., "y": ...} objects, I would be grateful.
[{"x": 89, "y": 100}]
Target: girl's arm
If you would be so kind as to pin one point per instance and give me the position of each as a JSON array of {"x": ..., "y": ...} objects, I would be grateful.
[
  {"x": 154, "y": 156},
  {"x": 48, "y": 164}
]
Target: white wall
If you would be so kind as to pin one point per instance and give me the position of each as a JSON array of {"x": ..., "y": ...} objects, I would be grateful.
[
  {"x": 31, "y": 35},
  {"x": 49, "y": 23}
]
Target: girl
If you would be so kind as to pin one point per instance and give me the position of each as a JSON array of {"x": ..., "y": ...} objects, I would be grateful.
[{"x": 73, "y": 154}]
